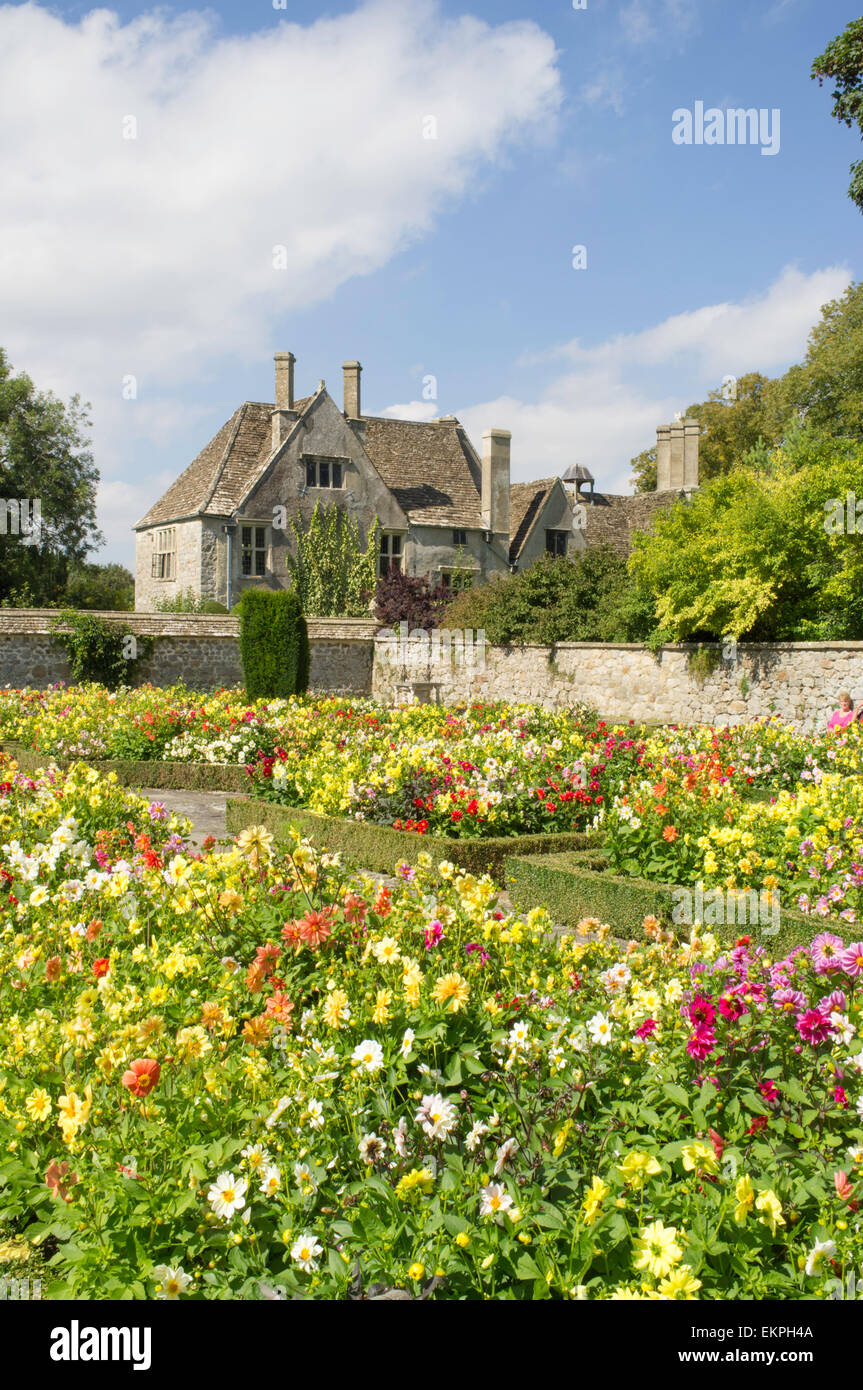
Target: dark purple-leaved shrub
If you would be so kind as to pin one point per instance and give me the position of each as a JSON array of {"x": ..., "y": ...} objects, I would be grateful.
[{"x": 410, "y": 598}]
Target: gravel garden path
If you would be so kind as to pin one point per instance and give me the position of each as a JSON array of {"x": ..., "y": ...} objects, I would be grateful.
[{"x": 206, "y": 810}]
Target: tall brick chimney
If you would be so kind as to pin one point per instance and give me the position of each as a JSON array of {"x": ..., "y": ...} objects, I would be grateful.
[
  {"x": 352, "y": 371},
  {"x": 281, "y": 422},
  {"x": 495, "y": 481}
]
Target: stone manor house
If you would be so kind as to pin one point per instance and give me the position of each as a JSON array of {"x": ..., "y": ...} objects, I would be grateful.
[{"x": 444, "y": 510}]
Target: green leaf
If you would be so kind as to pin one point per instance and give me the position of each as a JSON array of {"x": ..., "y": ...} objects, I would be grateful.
[
  {"x": 676, "y": 1094},
  {"x": 527, "y": 1268}
]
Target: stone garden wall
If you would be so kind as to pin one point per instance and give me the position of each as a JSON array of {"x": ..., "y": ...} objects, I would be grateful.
[
  {"x": 201, "y": 649},
  {"x": 800, "y": 681}
]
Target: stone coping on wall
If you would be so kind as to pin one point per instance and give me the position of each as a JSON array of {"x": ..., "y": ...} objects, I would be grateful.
[
  {"x": 15, "y": 621},
  {"x": 742, "y": 647}
]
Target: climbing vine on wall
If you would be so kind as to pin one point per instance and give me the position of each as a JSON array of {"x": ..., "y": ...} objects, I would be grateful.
[
  {"x": 335, "y": 569},
  {"x": 100, "y": 651}
]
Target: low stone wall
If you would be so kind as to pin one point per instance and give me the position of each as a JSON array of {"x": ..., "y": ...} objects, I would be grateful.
[
  {"x": 799, "y": 681},
  {"x": 201, "y": 649}
]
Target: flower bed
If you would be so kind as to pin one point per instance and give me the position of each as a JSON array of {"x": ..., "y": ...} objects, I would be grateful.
[
  {"x": 688, "y": 822},
  {"x": 486, "y": 771},
  {"x": 756, "y": 807},
  {"x": 249, "y": 1075}
]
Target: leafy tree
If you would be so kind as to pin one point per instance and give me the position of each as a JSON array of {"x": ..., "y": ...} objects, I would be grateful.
[
  {"x": 410, "y": 598},
  {"x": 334, "y": 570},
  {"x": 644, "y": 470},
  {"x": 589, "y": 599},
  {"x": 100, "y": 586},
  {"x": 730, "y": 428},
  {"x": 44, "y": 458},
  {"x": 827, "y": 388},
  {"x": 842, "y": 60},
  {"x": 752, "y": 554}
]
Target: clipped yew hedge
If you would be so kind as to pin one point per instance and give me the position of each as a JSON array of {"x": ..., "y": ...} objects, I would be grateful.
[
  {"x": 577, "y": 884},
  {"x": 204, "y": 777},
  {"x": 274, "y": 644},
  {"x": 379, "y": 847}
]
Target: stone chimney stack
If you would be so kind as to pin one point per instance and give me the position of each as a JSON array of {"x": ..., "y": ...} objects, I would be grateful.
[
  {"x": 663, "y": 458},
  {"x": 283, "y": 416},
  {"x": 676, "y": 467},
  {"x": 284, "y": 380},
  {"x": 691, "y": 436},
  {"x": 495, "y": 481},
  {"x": 352, "y": 372},
  {"x": 677, "y": 455}
]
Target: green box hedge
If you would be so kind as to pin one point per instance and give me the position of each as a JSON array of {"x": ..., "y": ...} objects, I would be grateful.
[
  {"x": 379, "y": 847},
  {"x": 576, "y": 885},
  {"x": 220, "y": 777}
]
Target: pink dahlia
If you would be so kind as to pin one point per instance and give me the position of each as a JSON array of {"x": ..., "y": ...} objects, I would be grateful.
[
  {"x": 813, "y": 1027},
  {"x": 827, "y": 951}
]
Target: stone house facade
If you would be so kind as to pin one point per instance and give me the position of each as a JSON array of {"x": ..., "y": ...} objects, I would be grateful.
[{"x": 444, "y": 510}]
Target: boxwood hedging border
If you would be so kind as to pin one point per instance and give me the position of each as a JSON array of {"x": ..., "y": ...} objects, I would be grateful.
[
  {"x": 379, "y": 847},
  {"x": 575, "y": 885},
  {"x": 219, "y": 777}
]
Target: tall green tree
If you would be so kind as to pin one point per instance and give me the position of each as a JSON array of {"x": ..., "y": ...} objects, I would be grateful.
[
  {"x": 45, "y": 461},
  {"x": 842, "y": 61},
  {"x": 105, "y": 587},
  {"x": 826, "y": 389}
]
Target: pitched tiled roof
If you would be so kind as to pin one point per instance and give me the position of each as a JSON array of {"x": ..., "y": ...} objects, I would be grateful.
[
  {"x": 430, "y": 468},
  {"x": 526, "y": 501},
  {"x": 612, "y": 519},
  {"x": 216, "y": 482}
]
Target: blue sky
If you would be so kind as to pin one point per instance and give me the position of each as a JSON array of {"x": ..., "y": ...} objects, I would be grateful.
[{"x": 151, "y": 258}]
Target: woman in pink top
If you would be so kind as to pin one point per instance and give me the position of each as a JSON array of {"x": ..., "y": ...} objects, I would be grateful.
[{"x": 844, "y": 715}]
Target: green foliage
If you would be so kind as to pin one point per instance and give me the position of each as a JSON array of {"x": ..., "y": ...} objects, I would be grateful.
[
  {"x": 589, "y": 599},
  {"x": 827, "y": 388},
  {"x": 751, "y": 554},
  {"x": 274, "y": 644},
  {"x": 334, "y": 570},
  {"x": 842, "y": 60},
  {"x": 188, "y": 602},
  {"x": 44, "y": 455},
  {"x": 98, "y": 650},
  {"x": 103, "y": 587}
]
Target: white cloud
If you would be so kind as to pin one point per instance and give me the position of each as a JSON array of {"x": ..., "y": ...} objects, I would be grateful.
[
  {"x": 604, "y": 407},
  {"x": 153, "y": 256},
  {"x": 413, "y": 410}
]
